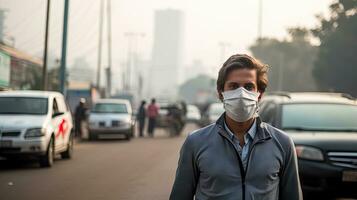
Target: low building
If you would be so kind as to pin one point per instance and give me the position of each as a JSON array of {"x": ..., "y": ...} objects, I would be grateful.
[{"x": 19, "y": 70}]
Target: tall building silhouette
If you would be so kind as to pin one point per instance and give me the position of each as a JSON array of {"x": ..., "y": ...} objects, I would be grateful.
[{"x": 167, "y": 54}]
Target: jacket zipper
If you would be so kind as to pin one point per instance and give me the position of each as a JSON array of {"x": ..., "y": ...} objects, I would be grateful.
[
  {"x": 241, "y": 167},
  {"x": 249, "y": 155},
  {"x": 243, "y": 172}
]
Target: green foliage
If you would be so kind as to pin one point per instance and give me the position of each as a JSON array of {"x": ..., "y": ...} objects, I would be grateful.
[
  {"x": 336, "y": 64},
  {"x": 291, "y": 61}
]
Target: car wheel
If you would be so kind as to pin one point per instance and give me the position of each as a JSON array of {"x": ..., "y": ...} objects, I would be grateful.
[
  {"x": 69, "y": 152},
  {"x": 92, "y": 136},
  {"x": 128, "y": 136},
  {"x": 132, "y": 134},
  {"x": 48, "y": 159}
]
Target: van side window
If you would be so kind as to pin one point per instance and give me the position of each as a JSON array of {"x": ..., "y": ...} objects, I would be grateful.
[
  {"x": 61, "y": 105},
  {"x": 268, "y": 113},
  {"x": 55, "y": 106}
]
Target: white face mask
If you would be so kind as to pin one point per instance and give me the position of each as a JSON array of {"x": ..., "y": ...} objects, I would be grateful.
[{"x": 240, "y": 104}]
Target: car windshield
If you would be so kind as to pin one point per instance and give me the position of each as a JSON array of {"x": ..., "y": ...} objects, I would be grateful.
[
  {"x": 319, "y": 117},
  {"x": 216, "y": 109},
  {"x": 110, "y": 108},
  {"x": 23, "y": 105}
]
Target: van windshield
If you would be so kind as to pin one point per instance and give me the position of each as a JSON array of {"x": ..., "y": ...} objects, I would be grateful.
[{"x": 23, "y": 105}]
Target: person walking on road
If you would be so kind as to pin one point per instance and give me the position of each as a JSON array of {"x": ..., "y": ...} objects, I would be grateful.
[
  {"x": 239, "y": 157},
  {"x": 79, "y": 116},
  {"x": 141, "y": 118},
  {"x": 153, "y": 112}
]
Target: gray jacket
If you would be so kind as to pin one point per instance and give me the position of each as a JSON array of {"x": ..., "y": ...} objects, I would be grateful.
[{"x": 210, "y": 166}]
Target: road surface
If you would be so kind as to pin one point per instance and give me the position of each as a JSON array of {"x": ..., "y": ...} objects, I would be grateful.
[{"x": 143, "y": 168}]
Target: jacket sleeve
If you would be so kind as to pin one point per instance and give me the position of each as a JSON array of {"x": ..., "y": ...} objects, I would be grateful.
[
  {"x": 186, "y": 174},
  {"x": 290, "y": 188}
]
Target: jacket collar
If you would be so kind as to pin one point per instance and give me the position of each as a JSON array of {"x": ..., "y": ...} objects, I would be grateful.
[{"x": 261, "y": 133}]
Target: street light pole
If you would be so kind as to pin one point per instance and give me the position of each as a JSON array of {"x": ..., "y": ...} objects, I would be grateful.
[
  {"x": 64, "y": 47},
  {"x": 44, "y": 67},
  {"x": 99, "y": 63},
  {"x": 109, "y": 76},
  {"x": 260, "y": 20}
]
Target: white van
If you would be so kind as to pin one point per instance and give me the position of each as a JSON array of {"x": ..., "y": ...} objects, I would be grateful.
[{"x": 35, "y": 124}]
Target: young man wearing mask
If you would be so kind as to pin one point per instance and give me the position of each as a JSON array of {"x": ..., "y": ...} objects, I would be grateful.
[{"x": 239, "y": 157}]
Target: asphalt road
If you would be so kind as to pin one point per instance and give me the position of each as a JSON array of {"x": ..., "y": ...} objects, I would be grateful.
[{"x": 143, "y": 168}]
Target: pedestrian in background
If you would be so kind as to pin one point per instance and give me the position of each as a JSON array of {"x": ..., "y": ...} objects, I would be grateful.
[
  {"x": 141, "y": 118},
  {"x": 153, "y": 112},
  {"x": 79, "y": 116}
]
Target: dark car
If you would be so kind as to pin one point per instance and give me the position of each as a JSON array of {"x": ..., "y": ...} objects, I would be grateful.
[{"x": 323, "y": 127}]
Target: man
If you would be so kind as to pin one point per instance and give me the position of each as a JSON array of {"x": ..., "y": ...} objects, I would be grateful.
[
  {"x": 175, "y": 119},
  {"x": 141, "y": 118},
  {"x": 239, "y": 157},
  {"x": 153, "y": 112},
  {"x": 79, "y": 116}
]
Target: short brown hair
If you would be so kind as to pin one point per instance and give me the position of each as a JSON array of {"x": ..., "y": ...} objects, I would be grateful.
[{"x": 243, "y": 61}]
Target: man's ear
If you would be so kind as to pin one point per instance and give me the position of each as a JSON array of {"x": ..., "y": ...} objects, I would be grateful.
[
  {"x": 260, "y": 95},
  {"x": 219, "y": 94}
]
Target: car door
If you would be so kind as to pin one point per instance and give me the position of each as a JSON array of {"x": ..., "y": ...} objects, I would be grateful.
[
  {"x": 58, "y": 125},
  {"x": 66, "y": 121}
]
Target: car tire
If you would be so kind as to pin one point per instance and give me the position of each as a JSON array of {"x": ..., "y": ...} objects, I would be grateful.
[
  {"x": 48, "y": 159},
  {"x": 69, "y": 152},
  {"x": 128, "y": 136},
  {"x": 132, "y": 133},
  {"x": 93, "y": 136}
]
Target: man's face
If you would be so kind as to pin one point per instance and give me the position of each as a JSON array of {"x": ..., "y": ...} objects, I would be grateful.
[{"x": 246, "y": 78}]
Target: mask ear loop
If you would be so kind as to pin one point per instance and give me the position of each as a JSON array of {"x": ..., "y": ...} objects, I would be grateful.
[{"x": 257, "y": 111}]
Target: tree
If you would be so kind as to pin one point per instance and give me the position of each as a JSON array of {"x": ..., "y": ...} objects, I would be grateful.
[
  {"x": 336, "y": 63},
  {"x": 290, "y": 60}
]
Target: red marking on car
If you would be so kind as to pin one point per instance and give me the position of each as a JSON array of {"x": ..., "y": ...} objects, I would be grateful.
[{"x": 62, "y": 128}]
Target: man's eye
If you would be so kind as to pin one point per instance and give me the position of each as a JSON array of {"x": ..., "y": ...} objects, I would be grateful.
[
  {"x": 233, "y": 86},
  {"x": 249, "y": 87}
]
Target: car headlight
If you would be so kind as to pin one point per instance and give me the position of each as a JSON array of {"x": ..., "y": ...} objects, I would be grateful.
[
  {"x": 309, "y": 153},
  {"x": 35, "y": 132}
]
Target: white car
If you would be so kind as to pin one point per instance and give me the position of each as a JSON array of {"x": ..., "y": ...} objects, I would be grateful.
[
  {"x": 193, "y": 114},
  {"x": 35, "y": 124},
  {"x": 111, "y": 118}
]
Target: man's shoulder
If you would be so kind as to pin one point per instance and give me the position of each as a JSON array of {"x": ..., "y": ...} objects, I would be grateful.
[
  {"x": 278, "y": 135},
  {"x": 202, "y": 134}
]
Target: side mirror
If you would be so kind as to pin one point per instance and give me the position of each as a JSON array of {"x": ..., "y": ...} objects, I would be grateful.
[{"x": 57, "y": 114}]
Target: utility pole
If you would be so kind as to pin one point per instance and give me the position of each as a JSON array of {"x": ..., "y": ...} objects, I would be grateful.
[
  {"x": 100, "y": 42},
  {"x": 109, "y": 26},
  {"x": 64, "y": 47},
  {"x": 129, "y": 35},
  {"x": 44, "y": 67},
  {"x": 260, "y": 20}
]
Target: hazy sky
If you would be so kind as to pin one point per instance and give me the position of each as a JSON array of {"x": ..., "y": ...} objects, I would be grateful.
[{"x": 207, "y": 22}]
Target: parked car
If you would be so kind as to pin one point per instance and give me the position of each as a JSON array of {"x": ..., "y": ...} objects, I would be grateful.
[
  {"x": 193, "y": 114},
  {"x": 111, "y": 118},
  {"x": 35, "y": 124},
  {"x": 214, "y": 111},
  {"x": 324, "y": 129}
]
